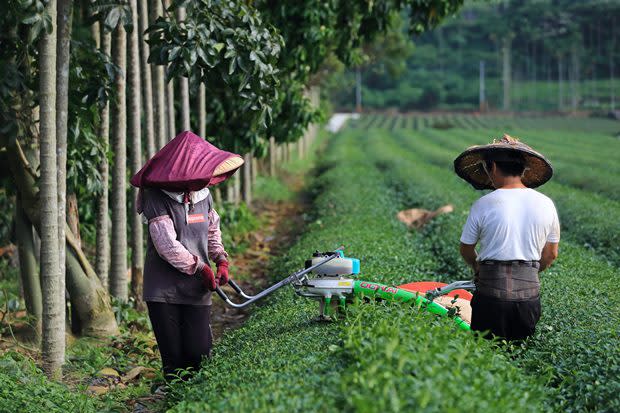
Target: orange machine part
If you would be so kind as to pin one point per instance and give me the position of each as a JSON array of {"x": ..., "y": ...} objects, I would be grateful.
[{"x": 424, "y": 286}]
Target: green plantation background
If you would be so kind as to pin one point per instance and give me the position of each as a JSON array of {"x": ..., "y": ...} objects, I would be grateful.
[{"x": 391, "y": 357}]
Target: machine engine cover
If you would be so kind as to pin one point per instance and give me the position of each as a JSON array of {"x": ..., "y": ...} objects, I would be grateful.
[{"x": 337, "y": 266}]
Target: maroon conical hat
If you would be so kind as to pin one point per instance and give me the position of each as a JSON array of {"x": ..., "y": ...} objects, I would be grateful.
[
  {"x": 187, "y": 163},
  {"x": 470, "y": 164}
]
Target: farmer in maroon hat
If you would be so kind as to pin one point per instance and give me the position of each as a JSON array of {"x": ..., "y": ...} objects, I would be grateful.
[
  {"x": 184, "y": 240},
  {"x": 518, "y": 232}
]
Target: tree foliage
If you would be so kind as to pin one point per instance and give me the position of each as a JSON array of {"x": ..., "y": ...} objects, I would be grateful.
[{"x": 227, "y": 46}]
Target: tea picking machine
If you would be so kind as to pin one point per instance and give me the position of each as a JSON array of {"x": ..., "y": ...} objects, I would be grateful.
[{"x": 328, "y": 278}]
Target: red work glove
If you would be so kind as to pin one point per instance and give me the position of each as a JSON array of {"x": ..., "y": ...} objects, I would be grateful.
[
  {"x": 208, "y": 277},
  {"x": 222, "y": 273}
]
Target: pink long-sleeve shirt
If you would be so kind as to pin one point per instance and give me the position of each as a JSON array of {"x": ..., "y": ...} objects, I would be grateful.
[{"x": 164, "y": 238}]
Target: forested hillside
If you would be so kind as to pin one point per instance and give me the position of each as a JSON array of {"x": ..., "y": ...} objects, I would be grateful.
[{"x": 535, "y": 55}]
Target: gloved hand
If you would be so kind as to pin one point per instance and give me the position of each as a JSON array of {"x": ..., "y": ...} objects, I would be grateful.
[
  {"x": 208, "y": 277},
  {"x": 222, "y": 273}
]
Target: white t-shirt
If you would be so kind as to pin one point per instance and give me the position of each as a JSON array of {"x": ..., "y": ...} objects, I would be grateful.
[{"x": 512, "y": 224}]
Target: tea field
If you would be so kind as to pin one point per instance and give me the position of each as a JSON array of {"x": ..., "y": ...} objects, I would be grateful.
[{"x": 390, "y": 357}]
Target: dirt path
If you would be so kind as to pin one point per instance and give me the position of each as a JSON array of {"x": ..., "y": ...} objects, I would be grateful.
[{"x": 280, "y": 223}]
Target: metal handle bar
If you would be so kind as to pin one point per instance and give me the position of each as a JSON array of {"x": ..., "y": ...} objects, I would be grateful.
[
  {"x": 293, "y": 277},
  {"x": 457, "y": 285},
  {"x": 239, "y": 291}
]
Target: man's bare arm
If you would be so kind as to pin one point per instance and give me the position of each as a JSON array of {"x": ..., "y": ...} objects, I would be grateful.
[
  {"x": 469, "y": 254},
  {"x": 548, "y": 255}
]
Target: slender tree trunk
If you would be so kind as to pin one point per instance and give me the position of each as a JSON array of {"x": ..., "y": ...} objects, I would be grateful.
[
  {"x": 147, "y": 82},
  {"x": 272, "y": 156},
  {"x": 358, "y": 90},
  {"x": 534, "y": 74},
  {"x": 63, "y": 57},
  {"x": 247, "y": 179},
  {"x": 574, "y": 78},
  {"x": 118, "y": 265},
  {"x": 217, "y": 194},
  {"x": 230, "y": 192},
  {"x": 202, "y": 110},
  {"x": 137, "y": 254},
  {"x": 172, "y": 127},
  {"x": 300, "y": 146},
  {"x": 612, "y": 48},
  {"x": 52, "y": 282},
  {"x": 103, "y": 239},
  {"x": 95, "y": 33},
  {"x": 184, "y": 86},
  {"x": 28, "y": 267},
  {"x": 159, "y": 85},
  {"x": 237, "y": 188},
  {"x": 506, "y": 72},
  {"x": 254, "y": 169},
  {"x": 560, "y": 83}
]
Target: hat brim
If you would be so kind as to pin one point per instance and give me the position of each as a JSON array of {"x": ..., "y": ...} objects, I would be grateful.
[{"x": 469, "y": 165}]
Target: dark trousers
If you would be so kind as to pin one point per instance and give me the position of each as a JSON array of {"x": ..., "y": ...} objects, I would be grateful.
[
  {"x": 511, "y": 320},
  {"x": 183, "y": 334}
]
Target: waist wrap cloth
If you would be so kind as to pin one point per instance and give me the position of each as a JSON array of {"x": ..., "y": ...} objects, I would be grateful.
[{"x": 509, "y": 280}]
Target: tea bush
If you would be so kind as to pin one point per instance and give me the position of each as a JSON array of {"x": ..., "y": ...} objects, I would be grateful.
[
  {"x": 576, "y": 344},
  {"x": 378, "y": 357},
  {"x": 24, "y": 388},
  {"x": 582, "y": 214}
]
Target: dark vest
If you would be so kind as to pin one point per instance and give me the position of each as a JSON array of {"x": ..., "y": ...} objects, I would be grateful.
[{"x": 163, "y": 282}]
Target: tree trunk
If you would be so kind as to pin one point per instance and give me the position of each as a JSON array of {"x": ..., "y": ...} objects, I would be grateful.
[
  {"x": 230, "y": 191},
  {"x": 147, "y": 82},
  {"x": 611, "y": 64},
  {"x": 159, "y": 85},
  {"x": 358, "y": 90},
  {"x": 118, "y": 264},
  {"x": 247, "y": 179},
  {"x": 184, "y": 86},
  {"x": 137, "y": 254},
  {"x": 506, "y": 72},
  {"x": 560, "y": 84},
  {"x": 272, "y": 156},
  {"x": 52, "y": 283},
  {"x": 574, "y": 78},
  {"x": 218, "y": 196},
  {"x": 202, "y": 110},
  {"x": 87, "y": 294},
  {"x": 481, "y": 91},
  {"x": 73, "y": 217},
  {"x": 172, "y": 127},
  {"x": 63, "y": 57},
  {"x": 29, "y": 271},
  {"x": 95, "y": 33},
  {"x": 300, "y": 146},
  {"x": 254, "y": 169},
  {"x": 237, "y": 190},
  {"x": 103, "y": 239}
]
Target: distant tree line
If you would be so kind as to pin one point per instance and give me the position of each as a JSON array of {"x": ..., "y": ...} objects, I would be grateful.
[{"x": 538, "y": 55}]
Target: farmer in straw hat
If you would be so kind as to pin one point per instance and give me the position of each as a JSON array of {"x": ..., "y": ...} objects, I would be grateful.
[
  {"x": 184, "y": 239},
  {"x": 518, "y": 231}
]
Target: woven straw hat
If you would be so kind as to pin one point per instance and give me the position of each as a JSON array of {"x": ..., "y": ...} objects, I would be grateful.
[{"x": 470, "y": 164}]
